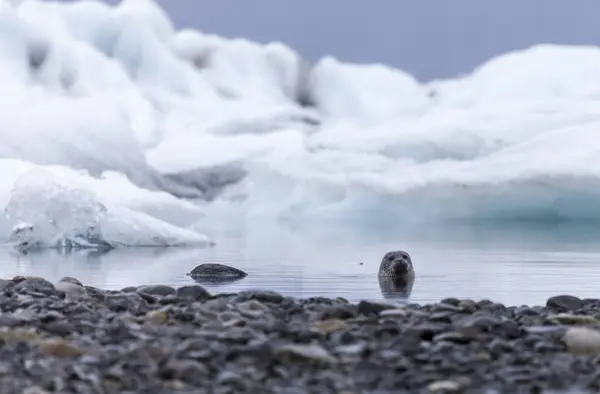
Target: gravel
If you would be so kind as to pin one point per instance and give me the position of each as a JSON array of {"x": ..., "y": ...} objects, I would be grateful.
[{"x": 70, "y": 338}]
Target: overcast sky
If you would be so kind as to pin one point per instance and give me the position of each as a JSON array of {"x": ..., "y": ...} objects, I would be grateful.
[{"x": 429, "y": 38}]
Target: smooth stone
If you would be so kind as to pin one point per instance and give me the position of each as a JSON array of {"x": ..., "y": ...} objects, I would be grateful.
[
  {"x": 368, "y": 307},
  {"x": 444, "y": 307},
  {"x": 4, "y": 284},
  {"x": 59, "y": 327},
  {"x": 309, "y": 352},
  {"x": 328, "y": 326},
  {"x": 156, "y": 290},
  {"x": 582, "y": 341},
  {"x": 546, "y": 330},
  {"x": 222, "y": 271},
  {"x": 564, "y": 302},
  {"x": 193, "y": 292},
  {"x": 189, "y": 371},
  {"x": 355, "y": 349},
  {"x": 72, "y": 291},
  {"x": 259, "y": 295},
  {"x": 480, "y": 322},
  {"x": 59, "y": 348},
  {"x": 568, "y": 319},
  {"x": 36, "y": 285},
  {"x": 450, "y": 301},
  {"x": 157, "y": 317},
  {"x": 427, "y": 331},
  {"x": 393, "y": 313},
  {"x": 467, "y": 306},
  {"x": 71, "y": 280},
  {"x": 453, "y": 336},
  {"x": 338, "y": 312},
  {"x": 444, "y": 386},
  {"x": 252, "y": 308}
]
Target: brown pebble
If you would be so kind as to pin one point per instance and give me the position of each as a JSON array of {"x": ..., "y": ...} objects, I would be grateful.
[{"x": 59, "y": 348}]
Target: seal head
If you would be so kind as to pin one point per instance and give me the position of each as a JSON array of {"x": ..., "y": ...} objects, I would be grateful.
[
  {"x": 397, "y": 264},
  {"x": 396, "y": 275}
]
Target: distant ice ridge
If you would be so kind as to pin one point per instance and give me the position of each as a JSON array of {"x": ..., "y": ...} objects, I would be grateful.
[{"x": 166, "y": 128}]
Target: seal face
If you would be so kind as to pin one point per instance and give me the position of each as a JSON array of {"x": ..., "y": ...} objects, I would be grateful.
[
  {"x": 396, "y": 264},
  {"x": 396, "y": 275}
]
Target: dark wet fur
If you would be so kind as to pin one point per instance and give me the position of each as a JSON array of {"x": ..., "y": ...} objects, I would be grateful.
[{"x": 395, "y": 289}]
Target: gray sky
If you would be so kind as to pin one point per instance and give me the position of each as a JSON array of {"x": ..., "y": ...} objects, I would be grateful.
[{"x": 428, "y": 38}]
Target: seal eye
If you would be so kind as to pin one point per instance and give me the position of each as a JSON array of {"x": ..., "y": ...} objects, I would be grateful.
[{"x": 390, "y": 258}]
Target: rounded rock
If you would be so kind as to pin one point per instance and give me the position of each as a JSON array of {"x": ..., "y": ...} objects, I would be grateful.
[
  {"x": 194, "y": 292},
  {"x": 35, "y": 285},
  {"x": 259, "y": 295},
  {"x": 564, "y": 303},
  {"x": 211, "y": 271},
  {"x": 152, "y": 291}
]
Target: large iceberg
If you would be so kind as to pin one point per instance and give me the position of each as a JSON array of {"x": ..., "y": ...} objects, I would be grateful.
[
  {"x": 57, "y": 207},
  {"x": 118, "y": 128}
]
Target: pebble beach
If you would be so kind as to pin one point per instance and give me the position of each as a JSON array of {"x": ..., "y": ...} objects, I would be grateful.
[{"x": 66, "y": 337}]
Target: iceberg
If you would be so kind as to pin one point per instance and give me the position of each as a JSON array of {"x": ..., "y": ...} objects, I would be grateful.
[
  {"x": 118, "y": 129},
  {"x": 53, "y": 210}
]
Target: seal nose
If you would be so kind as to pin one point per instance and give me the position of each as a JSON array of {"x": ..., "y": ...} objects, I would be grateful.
[{"x": 400, "y": 267}]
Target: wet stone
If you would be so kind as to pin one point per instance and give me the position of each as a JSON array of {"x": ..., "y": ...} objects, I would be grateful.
[
  {"x": 259, "y": 295},
  {"x": 36, "y": 286},
  {"x": 155, "y": 290},
  {"x": 369, "y": 308},
  {"x": 564, "y": 303},
  {"x": 216, "y": 271},
  {"x": 158, "y": 339},
  {"x": 338, "y": 312},
  {"x": 194, "y": 293}
]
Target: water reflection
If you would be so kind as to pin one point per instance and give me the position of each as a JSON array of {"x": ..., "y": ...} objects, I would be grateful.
[
  {"x": 395, "y": 289},
  {"x": 521, "y": 267}
]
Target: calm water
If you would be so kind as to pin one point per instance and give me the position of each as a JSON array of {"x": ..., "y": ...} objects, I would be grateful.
[{"x": 510, "y": 264}]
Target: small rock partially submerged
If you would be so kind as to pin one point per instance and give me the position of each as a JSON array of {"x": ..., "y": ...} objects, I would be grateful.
[{"x": 216, "y": 273}]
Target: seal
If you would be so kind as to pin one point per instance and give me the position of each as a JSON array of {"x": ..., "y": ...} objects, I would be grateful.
[
  {"x": 216, "y": 273},
  {"x": 396, "y": 275}
]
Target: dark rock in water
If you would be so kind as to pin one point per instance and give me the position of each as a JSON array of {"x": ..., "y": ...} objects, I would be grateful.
[
  {"x": 216, "y": 273},
  {"x": 564, "y": 302}
]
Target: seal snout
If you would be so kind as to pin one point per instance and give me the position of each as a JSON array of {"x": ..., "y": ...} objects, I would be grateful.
[
  {"x": 400, "y": 267},
  {"x": 397, "y": 264}
]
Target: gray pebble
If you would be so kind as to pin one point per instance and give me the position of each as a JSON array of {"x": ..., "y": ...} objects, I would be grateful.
[
  {"x": 194, "y": 292},
  {"x": 564, "y": 303}
]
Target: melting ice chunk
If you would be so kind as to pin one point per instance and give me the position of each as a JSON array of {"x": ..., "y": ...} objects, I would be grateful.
[
  {"x": 56, "y": 211},
  {"x": 53, "y": 215}
]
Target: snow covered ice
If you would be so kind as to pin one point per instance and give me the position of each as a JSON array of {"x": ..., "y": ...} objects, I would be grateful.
[{"x": 119, "y": 129}]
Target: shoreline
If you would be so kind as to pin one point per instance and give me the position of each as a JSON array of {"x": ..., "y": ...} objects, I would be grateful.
[{"x": 67, "y": 337}]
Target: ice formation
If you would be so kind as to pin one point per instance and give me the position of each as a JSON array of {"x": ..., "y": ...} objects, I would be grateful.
[{"x": 119, "y": 128}]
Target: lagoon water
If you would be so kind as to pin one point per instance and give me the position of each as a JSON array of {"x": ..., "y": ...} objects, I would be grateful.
[{"x": 513, "y": 264}]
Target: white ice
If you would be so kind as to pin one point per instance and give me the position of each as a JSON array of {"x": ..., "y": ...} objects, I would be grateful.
[{"x": 151, "y": 122}]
